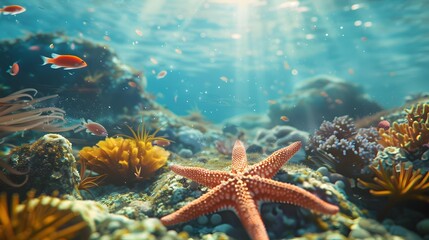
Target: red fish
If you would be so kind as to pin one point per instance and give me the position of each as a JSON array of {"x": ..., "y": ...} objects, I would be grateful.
[
  {"x": 12, "y": 10},
  {"x": 68, "y": 62},
  {"x": 92, "y": 127},
  {"x": 14, "y": 69},
  {"x": 161, "y": 74}
]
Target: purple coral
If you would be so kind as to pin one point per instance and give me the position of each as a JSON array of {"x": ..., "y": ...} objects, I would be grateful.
[{"x": 344, "y": 148}]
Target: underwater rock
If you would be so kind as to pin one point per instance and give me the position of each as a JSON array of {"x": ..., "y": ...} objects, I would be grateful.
[
  {"x": 93, "y": 92},
  {"x": 50, "y": 163},
  {"x": 321, "y": 98},
  {"x": 423, "y": 227},
  {"x": 185, "y": 153},
  {"x": 150, "y": 228},
  {"x": 278, "y": 137},
  {"x": 248, "y": 122},
  {"x": 191, "y": 138}
]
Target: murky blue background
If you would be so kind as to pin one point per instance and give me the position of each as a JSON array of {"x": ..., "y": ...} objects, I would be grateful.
[{"x": 261, "y": 48}]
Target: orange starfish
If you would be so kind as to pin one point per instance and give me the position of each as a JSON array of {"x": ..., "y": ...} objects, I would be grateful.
[{"x": 242, "y": 189}]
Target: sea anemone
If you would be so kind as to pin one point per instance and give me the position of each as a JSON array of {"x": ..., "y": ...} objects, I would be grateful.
[
  {"x": 86, "y": 181},
  {"x": 18, "y": 113},
  {"x": 398, "y": 184},
  {"x": 4, "y": 179},
  {"x": 39, "y": 218},
  {"x": 126, "y": 159}
]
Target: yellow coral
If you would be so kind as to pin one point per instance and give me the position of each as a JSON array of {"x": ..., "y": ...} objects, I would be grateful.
[
  {"x": 410, "y": 136},
  {"x": 125, "y": 160},
  {"x": 401, "y": 185},
  {"x": 39, "y": 218}
]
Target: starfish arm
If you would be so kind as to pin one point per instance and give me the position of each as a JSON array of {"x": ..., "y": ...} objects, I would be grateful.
[
  {"x": 247, "y": 210},
  {"x": 215, "y": 199},
  {"x": 269, "y": 190},
  {"x": 239, "y": 158},
  {"x": 209, "y": 178},
  {"x": 272, "y": 164}
]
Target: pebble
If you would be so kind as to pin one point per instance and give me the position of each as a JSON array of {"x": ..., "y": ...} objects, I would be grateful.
[
  {"x": 185, "y": 153},
  {"x": 403, "y": 232},
  {"x": 203, "y": 220},
  {"x": 326, "y": 179},
  {"x": 255, "y": 148},
  {"x": 340, "y": 184},
  {"x": 372, "y": 226},
  {"x": 188, "y": 228},
  {"x": 323, "y": 170},
  {"x": 359, "y": 233},
  {"x": 423, "y": 227},
  {"x": 225, "y": 228},
  {"x": 215, "y": 219}
]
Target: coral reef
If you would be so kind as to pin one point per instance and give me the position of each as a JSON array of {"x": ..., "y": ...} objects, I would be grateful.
[
  {"x": 40, "y": 218},
  {"x": 50, "y": 163},
  {"x": 343, "y": 148},
  {"x": 321, "y": 98},
  {"x": 125, "y": 160},
  {"x": 279, "y": 136},
  {"x": 413, "y": 135}
]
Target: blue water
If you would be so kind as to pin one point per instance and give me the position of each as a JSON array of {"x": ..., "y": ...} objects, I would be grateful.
[{"x": 262, "y": 48}]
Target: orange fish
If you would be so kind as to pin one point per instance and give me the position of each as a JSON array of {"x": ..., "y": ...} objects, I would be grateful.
[
  {"x": 14, "y": 69},
  {"x": 68, "y": 62},
  {"x": 12, "y": 10},
  {"x": 161, "y": 74},
  {"x": 284, "y": 118},
  {"x": 132, "y": 84}
]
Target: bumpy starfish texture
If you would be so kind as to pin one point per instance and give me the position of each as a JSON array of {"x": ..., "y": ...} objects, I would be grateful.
[{"x": 242, "y": 189}]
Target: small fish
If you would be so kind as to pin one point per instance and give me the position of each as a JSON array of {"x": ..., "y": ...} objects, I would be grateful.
[
  {"x": 284, "y": 118},
  {"x": 338, "y": 101},
  {"x": 68, "y": 62},
  {"x": 162, "y": 142},
  {"x": 14, "y": 69},
  {"x": 271, "y": 102},
  {"x": 92, "y": 127},
  {"x": 161, "y": 74},
  {"x": 34, "y": 48},
  {"x": 139, "y": 32},
  {"x": 224, "y": 79},
  {"x": 323, "y": 94},
  {"x": 12, "y": 10},
  {"x": 132, "y": 84},
  {"x": 153, "y": 60}
]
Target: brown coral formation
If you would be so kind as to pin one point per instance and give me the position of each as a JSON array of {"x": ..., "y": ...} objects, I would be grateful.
[
  {"x": 413, "y": 134},
  {"x": 125, "y": 160}
]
